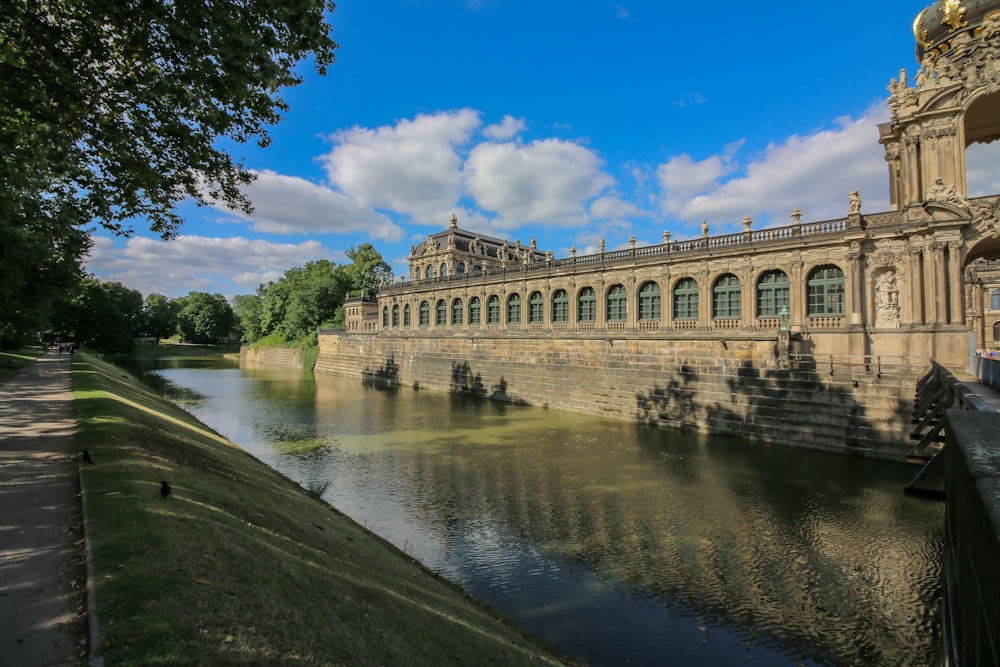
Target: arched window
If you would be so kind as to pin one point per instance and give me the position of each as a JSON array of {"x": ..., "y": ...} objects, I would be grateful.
[
  {"x": 443, "y": 271},
  {"x": 649, "y": 302},
  {"x": 536, "y": 308},
  {"x": 726, "y": 296},
  {"x": 460, "y": 269},
  {"x": 560, "y": 306},
  {"x": 441, "y": 317},
  {"x": 428, "y": 273},
  {"x": 617, "y": 304},
  {"x": 587, "y": 305},
  {"x": 996, "y": 332},
  {"x": 385, "y": 317},
  {"x": 456, "y": 312},
  {"x": 475, "y": 308},
  {"x": 425, "y": 314},
  {"x": 476, "y": 268},
  {"x": 493, "y": 310},
  {"x": 514, "y": 309},
  {"x": 772, "y": 293},
  {"x": 406, "y": 315},
  {"x": 995, "y": 300},
  {"x": 395, "y": 315},
  {"x": 686, "y": 299},
  {"x": 826, "y": 291}
]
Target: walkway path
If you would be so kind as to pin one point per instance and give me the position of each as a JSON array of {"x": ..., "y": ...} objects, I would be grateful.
[{"x": 42, "y": 569}]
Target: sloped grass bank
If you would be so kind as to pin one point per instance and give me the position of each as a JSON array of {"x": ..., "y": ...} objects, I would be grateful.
[{"x": 239, "y": 565}]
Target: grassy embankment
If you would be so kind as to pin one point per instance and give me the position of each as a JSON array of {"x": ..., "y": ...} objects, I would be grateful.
[
  {"x": 15, "y": 358},
  {"x": 240, "y": 565}
]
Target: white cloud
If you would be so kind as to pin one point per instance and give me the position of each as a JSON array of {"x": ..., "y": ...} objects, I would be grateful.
[
  {"x": 688, "y": 99},
  {"x": 293, "y": 205},
  {"x": 621, "y": 12},
  {"x": 197, "y": 263},
  {"x": 506, "y": 129},
  {"x": 545, "y": 182},
  {"x": 614, "y": 208},
  {"x": 412, "y": 168},
  {"x": 982, "y": 175},
  {"x": 813, "y": 172}
]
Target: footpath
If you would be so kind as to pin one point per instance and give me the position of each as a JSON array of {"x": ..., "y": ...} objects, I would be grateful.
[{"x": 42, "y": 563}]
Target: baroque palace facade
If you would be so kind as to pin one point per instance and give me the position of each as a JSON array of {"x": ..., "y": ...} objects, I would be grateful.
[{"x": 900, "y": 285}]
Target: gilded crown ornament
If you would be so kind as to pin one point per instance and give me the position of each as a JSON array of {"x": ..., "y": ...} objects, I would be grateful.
[{"x": 953, "y": 14}]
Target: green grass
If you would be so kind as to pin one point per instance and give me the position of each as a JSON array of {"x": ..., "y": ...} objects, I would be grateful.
[
  {"x": 13, "y": 360},
  {"x": 242, "y": 566}
]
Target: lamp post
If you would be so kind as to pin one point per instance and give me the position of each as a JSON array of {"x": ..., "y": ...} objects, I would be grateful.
[{"x": 783, "y": 319}]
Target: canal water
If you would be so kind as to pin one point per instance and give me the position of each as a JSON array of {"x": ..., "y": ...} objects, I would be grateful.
[{"x": 616, "y": 543}]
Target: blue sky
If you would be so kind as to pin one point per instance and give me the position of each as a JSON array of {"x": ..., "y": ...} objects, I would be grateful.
[{"x": 566, "y": 122}]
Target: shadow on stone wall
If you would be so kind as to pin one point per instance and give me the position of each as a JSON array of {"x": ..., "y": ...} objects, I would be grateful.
[
  {"x": 385, "y": 377},
  {"x": 463, "y": 381},
  {"x": 781, "y": 405}
]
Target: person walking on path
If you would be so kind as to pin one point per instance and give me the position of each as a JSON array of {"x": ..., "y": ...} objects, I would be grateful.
[{"x": 42, "y": 566}]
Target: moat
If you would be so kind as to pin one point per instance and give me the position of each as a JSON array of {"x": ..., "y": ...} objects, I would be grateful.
[{"x": 616, "y": 543}]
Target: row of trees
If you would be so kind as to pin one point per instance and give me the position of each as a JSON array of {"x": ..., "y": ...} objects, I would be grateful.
[
  {"x": 307, "y": 298},
  {"x": 111, "y": 114},
  {"x": 109, "y": 317}
]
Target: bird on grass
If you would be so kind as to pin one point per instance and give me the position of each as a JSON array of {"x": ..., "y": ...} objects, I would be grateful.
[
  {"x": 164, "y": 488},
  {"x": 86, "y": 457}
]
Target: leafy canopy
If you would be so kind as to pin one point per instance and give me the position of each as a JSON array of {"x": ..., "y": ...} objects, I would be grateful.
[{"x": 112, "y": 109}]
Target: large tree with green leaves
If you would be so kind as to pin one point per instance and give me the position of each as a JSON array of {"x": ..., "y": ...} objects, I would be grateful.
[
  {"x": 102, "y": 316},
  {"x": 112, "y": 111},
  {"x": 367, "y": 269},
  {"x": 204, "y": 318}
]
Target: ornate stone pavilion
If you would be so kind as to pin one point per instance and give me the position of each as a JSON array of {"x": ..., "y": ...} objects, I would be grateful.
[{"x": 902, "y": 285}]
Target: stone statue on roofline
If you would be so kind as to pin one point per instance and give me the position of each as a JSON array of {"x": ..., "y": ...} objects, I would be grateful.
[
  {"x": 945, "y": 193},
  {"x": 854, "y": 206}
]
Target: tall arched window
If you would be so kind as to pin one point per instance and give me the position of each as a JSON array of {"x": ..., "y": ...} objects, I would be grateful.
[
  {"x": 395, "y": 315},
  {"x": 587, "y": 305},
  {"x": 536, "y": 308},
  {"x": 460, "y": 269},
  {"x": 772, "y": 293},
  {"x": 456, "y": 312},
  {"x": 406, "y": 315},
  {"x": 385, "y": 317},
  {"x": 443, "y": 271},
  {"x": 995, "y": 300},
  {"x": 514, "y": 309},
  {"x": 425, "y": 314},
  {"x": 441, "y": 317},
  {"x": 493, "y": 310},
  {"x": 826, "y": 291},
  {"x": 996, "y": 332},
  {"x": 429, "y": 273},
  {"x": 726, "y": 296},
  {"x": 649, "y": 302},
  {"x": 617, "y": 304},
  {"x": 686, "y": 299},
  {"x": 475, "y": 309},
  {"x": 560, "y": 306}
]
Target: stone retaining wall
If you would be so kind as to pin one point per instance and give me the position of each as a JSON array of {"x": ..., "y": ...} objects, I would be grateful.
[
  {"x": 729, "y": 387},
  {"x": 270, "y": 356}
]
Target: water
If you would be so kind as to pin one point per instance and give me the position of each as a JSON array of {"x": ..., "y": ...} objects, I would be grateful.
[{"x": 618, "y": 544}]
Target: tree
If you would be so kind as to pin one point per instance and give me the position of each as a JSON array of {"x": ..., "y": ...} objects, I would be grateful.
[
  {"x": 248, "y": 309},
  {"x": 159, "y": 316},
  {"x": 113, "y": 110},
  {"x": 204, "y": 318},
  {"x": 304, "y": 298},
  {"x": 367, "y": 269},
  {"x": 103, "y": 316}
]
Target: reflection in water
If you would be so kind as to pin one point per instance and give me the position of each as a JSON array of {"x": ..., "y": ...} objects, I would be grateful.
[{"x": 616, "y": 543}]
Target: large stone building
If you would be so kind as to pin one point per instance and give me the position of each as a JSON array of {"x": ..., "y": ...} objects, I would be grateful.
[
  {"x": 886, "y": 289},
  {"x": 888, "y": 284}
]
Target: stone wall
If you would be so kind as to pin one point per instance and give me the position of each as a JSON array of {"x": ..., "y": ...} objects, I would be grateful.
[
  {"x": 972, "y": 539},
  {"x": 728, "y": 387},
  {"x": 270, "y": 356}
]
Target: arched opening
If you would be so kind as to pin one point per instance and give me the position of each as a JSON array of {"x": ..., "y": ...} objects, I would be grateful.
[{"x": 982, "y": 150}]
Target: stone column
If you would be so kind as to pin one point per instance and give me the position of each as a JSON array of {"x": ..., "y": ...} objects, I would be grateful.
[
  {"x": 857, "y": 281},
  {"x": 938, "y": 293},
  {"x": 911, "y": 168},
  {"x": 956, "y": 293},
  {"x": 916, "y": 287}
]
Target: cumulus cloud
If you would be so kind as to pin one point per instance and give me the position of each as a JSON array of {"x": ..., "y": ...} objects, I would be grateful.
[
  {"x": 198, "y": 263},
  {"x": 981, "y": 172},
  {"x": 621, "y": 12},
  {"x": 412, "y": 167},
  {"x": 813, "y": 172},
  {"x": 293, "y": 205},
  {"x": 545, "y": 182},
  {"x": 506, "y": 129}
]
